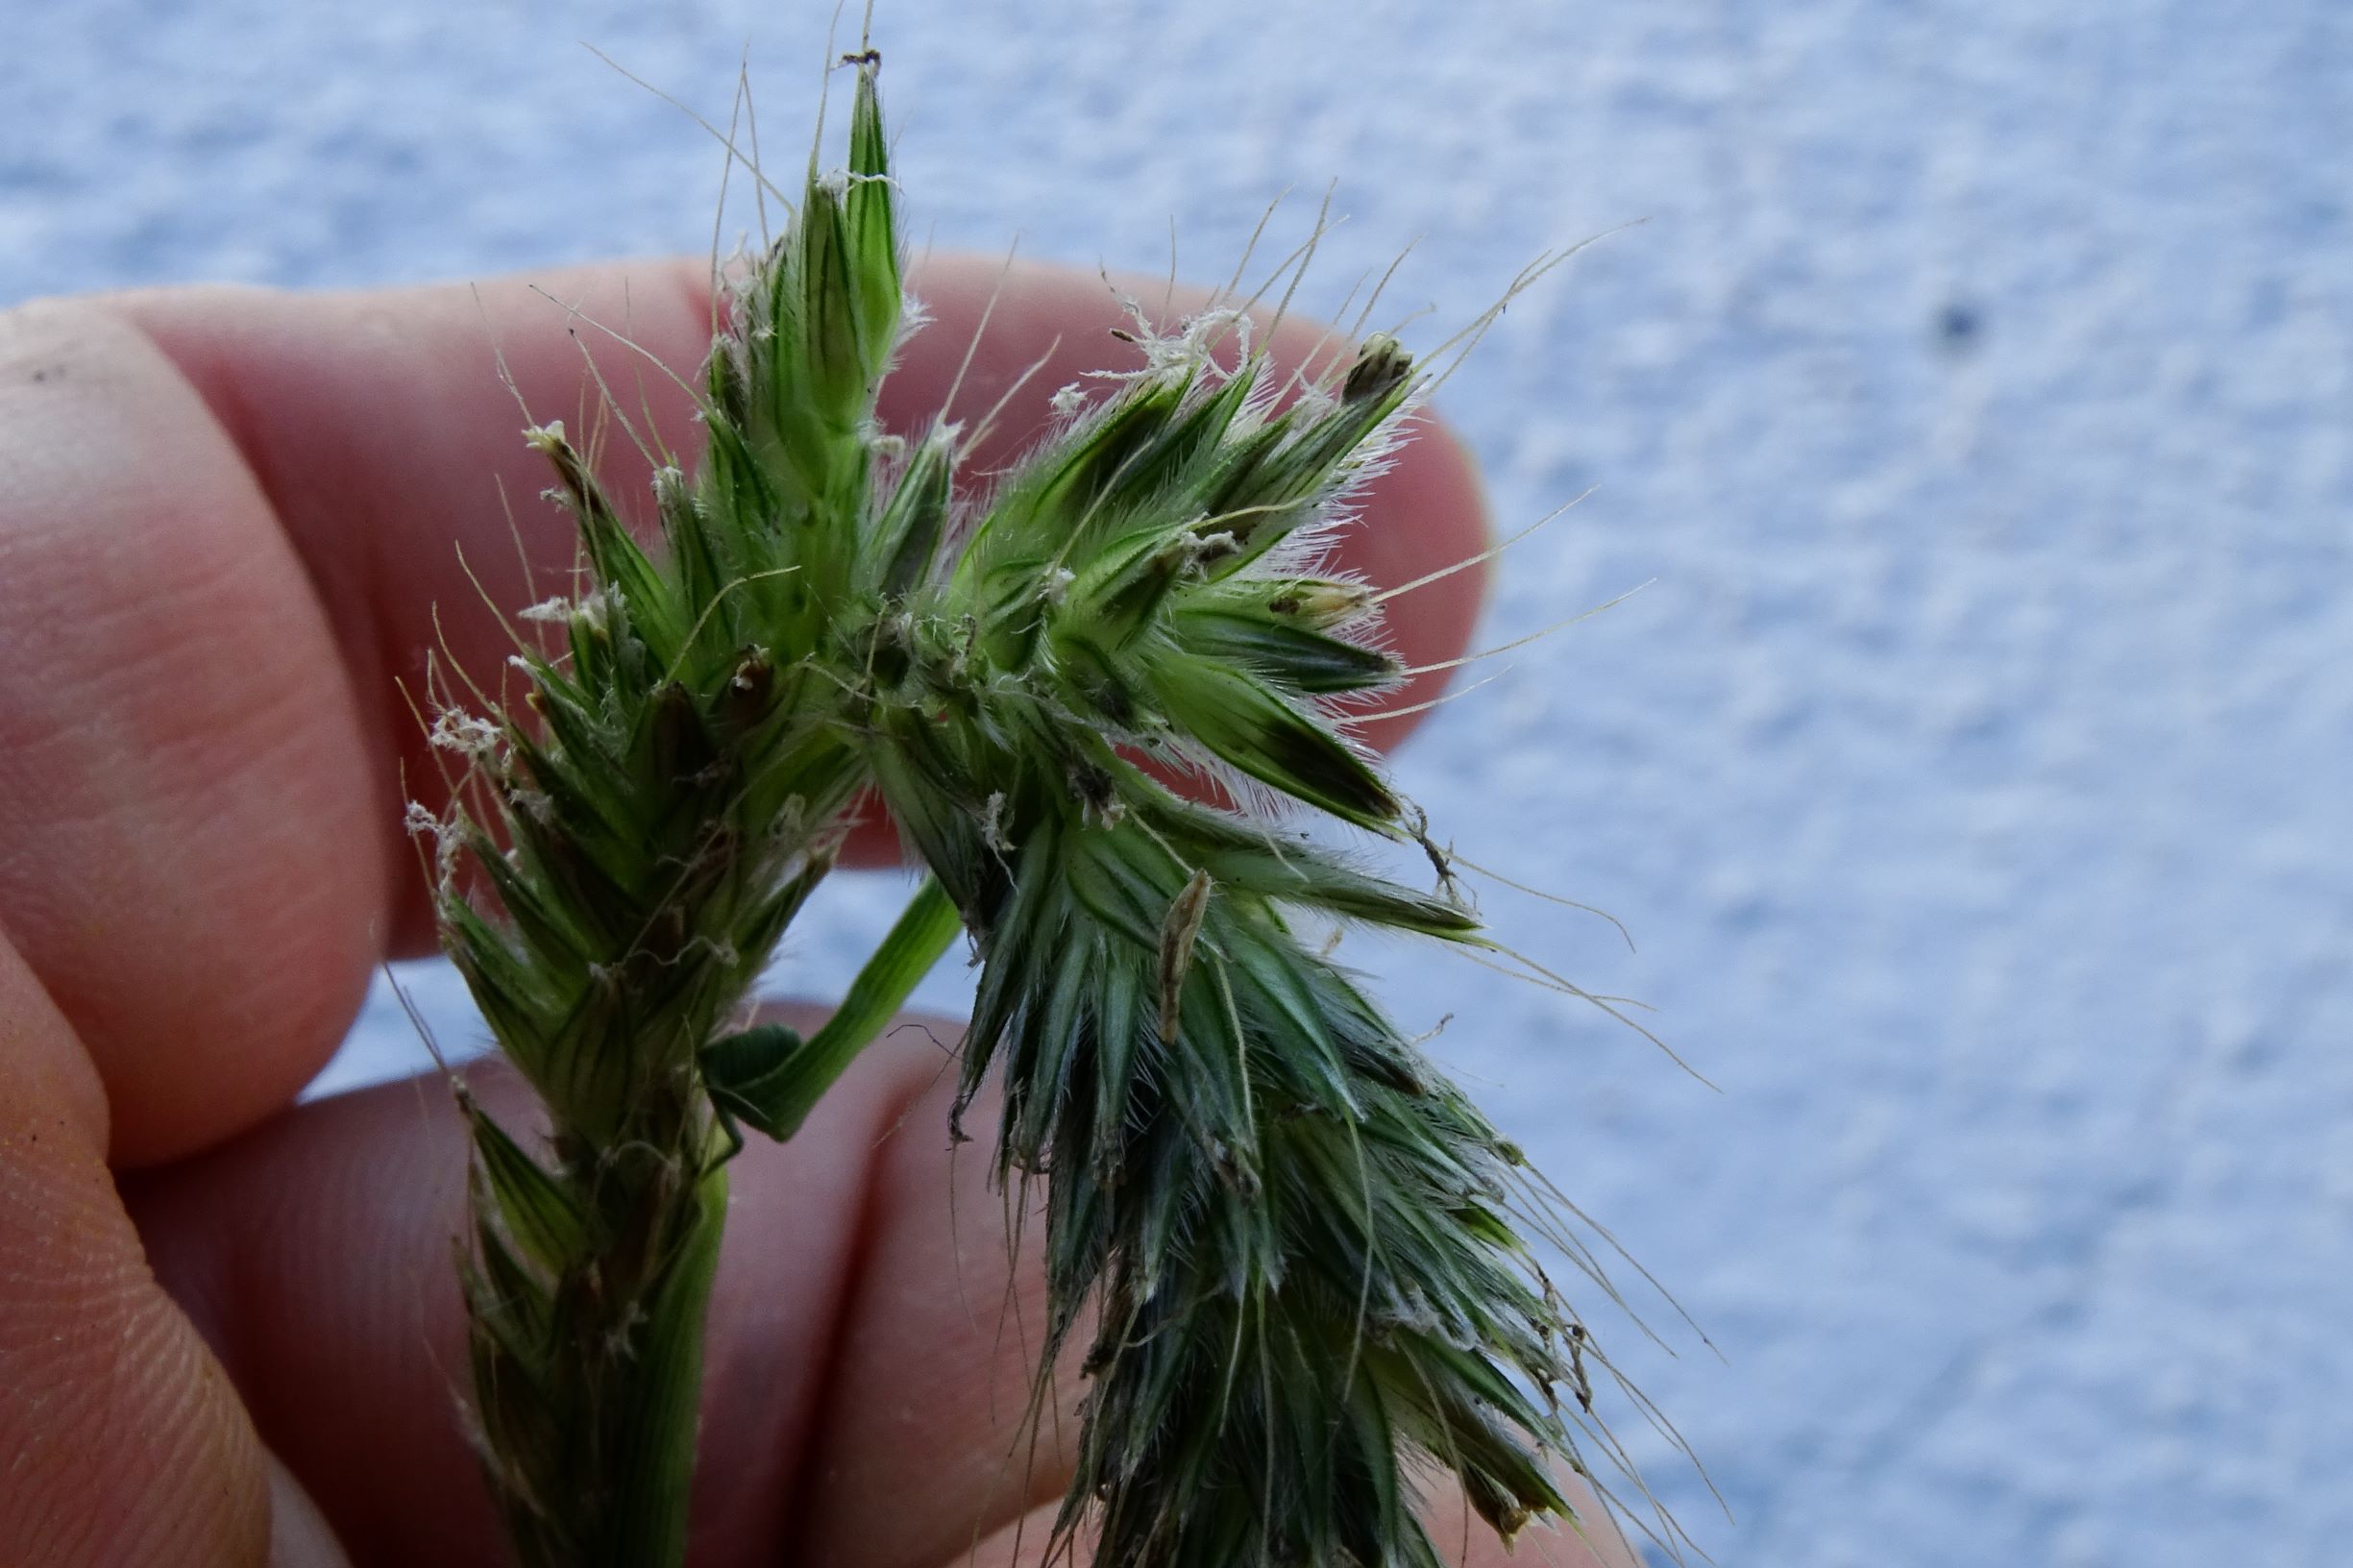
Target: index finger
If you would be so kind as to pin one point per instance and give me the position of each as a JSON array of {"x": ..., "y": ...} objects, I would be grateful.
[{"x": 232, "y": 523}]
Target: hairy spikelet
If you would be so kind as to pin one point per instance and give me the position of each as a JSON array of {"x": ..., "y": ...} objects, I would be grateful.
[
  {"x": 623, "y": 854},
  {"x": 1298, "y": 1242},
  {"x": 1298, "y": 1254}
]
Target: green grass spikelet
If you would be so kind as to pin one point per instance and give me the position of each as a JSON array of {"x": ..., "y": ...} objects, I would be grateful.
[{"x": 1301, "y": 1261}]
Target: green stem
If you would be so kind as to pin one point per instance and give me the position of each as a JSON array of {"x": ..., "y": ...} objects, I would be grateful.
[
  {"x": 769, "y": 1078},
  {"x": 659, "y": 1410},
  {"x": 923, "y": 931}
]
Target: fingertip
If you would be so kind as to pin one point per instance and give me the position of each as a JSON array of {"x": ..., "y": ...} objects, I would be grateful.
[
  {"x": 378, "y": 428},
  {"x": 1426, "y": 516},
  {"x": 121, "y": 1439}
]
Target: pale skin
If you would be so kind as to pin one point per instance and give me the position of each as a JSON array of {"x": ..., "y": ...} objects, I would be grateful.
[{"x": 229, "y": 1328}]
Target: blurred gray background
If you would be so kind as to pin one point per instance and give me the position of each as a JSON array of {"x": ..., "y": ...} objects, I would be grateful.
[{"x": 1977, "y": 401}]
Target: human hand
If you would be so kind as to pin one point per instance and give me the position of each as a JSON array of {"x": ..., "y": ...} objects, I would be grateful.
[{"x": 226, "y": 522}]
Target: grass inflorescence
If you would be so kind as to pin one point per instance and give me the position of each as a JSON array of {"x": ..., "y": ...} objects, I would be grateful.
[{"x": 1301, "y": 1263}]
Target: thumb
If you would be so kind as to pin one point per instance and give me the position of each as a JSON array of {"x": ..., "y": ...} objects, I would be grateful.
[{"x": 121, "y": 1441}]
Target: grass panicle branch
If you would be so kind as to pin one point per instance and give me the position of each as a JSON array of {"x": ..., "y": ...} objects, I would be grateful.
[
  {"x": 1302, "y": 1259},
  {"x": 1304, "y": 1266}
]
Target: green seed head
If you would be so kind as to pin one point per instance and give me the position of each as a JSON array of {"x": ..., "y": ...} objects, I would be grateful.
[{"x": 1306, "y": 1256}]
